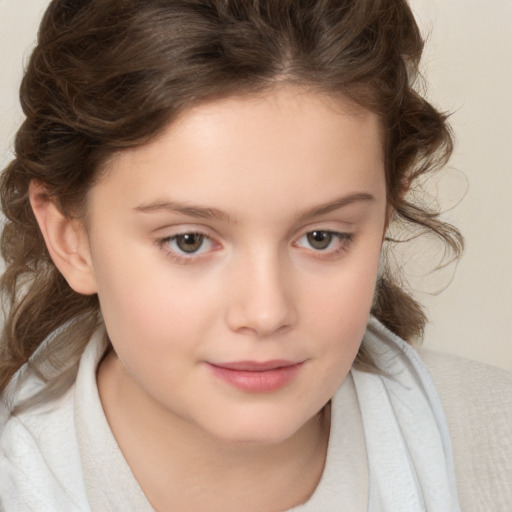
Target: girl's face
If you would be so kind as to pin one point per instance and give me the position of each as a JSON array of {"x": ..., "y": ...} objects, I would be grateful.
[{"x": 235, "y": 260}]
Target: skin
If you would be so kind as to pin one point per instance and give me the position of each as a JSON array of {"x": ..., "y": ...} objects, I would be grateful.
[{"x": 253, "y": 175}]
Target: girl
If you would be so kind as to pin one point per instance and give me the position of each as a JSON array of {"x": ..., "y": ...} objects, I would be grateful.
[{"x": 200, "y": 312}]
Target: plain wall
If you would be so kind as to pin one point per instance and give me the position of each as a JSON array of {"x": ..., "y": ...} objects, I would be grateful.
[
  {"x": 468, "y": 65},
  {"x": 469, "y": 70}
]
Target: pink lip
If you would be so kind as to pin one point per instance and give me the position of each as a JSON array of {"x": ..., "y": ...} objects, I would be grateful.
[{"x": 255, "y": 376}]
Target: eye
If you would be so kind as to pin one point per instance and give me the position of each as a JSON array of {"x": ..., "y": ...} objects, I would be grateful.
[
  {"x": 319, "y": 240},
  {"x": 324, "y": 240},
  {"x": 187, "y": 244}
]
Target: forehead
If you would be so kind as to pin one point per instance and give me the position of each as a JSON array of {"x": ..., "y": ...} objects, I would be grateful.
[{"x": 282, "y": 143}]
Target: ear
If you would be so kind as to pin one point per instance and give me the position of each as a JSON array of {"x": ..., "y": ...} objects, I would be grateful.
[{"x": 66, "y": 240}]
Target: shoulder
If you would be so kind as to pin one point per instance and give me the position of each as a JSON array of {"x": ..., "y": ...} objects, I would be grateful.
[
  {"x": 39, "y": 460},
  {"x": 487, "y": 387},
  {"x": 472, "y": 388},
  {"x": 477, "y": 399}
]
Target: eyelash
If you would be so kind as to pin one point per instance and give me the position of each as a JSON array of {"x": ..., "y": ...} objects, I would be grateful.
[
  {"x": 163, "y": 243},
  {"x": 345, "y": 241}
]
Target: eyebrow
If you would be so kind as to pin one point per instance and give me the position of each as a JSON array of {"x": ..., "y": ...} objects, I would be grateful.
[
  {"x": 358, "y": 197},
  {"x": 203, "y": 212},
  {"x": 197, "y": 211}
]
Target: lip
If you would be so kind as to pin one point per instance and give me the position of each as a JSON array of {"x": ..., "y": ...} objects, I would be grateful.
[{"x": 257, "y": 376}]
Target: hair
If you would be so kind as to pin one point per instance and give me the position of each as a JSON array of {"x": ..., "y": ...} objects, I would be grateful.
[{"x": 107, "y": 75}]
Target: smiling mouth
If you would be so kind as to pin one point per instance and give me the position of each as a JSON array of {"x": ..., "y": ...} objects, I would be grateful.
[{"x": 257, "y": 377}]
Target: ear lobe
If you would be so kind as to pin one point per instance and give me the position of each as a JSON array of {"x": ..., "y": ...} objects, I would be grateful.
[{"x": 65, "y": 240}]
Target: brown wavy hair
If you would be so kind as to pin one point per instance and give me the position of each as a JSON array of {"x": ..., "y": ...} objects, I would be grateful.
[{"x": 112, "y": 74}]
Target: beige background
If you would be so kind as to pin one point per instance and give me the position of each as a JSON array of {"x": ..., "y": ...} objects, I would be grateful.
[{"x": 468, "y": 65}]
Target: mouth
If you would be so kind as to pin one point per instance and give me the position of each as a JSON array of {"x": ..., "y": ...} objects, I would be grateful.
[{"x": 256, "y": 376}]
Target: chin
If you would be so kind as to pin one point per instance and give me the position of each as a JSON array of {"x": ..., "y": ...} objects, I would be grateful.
[{"x": 259, "y": 431}]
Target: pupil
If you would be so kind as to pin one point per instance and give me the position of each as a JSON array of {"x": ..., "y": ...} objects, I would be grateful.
[
  {"x": 190, "y": 242},
  {"x": 319, "y": 239}
]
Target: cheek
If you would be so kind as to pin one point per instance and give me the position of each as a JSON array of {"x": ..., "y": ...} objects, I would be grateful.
[
  {"x": 154, "y": 328},
  {"x": 340, "y": 309},
  {"x": 142, "y": 298},
  {"x": 350, "y": 287}
]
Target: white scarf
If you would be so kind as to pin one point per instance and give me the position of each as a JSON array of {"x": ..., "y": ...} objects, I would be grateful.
[
  {"x": 410, "y": 464},
  {"x": 408, "y": 445}
]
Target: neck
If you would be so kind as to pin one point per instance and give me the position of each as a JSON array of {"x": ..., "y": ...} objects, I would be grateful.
[{"x": 181, "y": 467}]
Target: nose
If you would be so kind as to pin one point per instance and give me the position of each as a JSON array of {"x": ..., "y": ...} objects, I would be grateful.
[{"x": 261, "y": 300}]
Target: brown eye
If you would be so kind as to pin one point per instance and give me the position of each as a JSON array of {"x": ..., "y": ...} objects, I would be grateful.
[
  {"x": 189, "y": 243},
  {"x": 319, "y": 240},
  {"x": 188, "y": 247}
]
